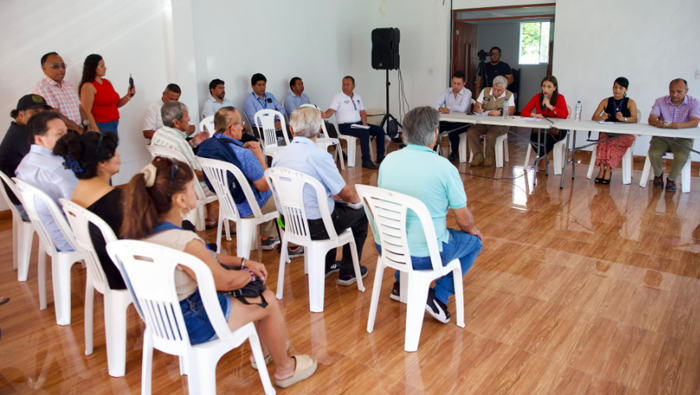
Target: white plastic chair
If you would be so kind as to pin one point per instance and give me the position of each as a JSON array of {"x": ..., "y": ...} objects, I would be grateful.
[
  {"x": 559, "y": 150},
  {"x": 626, "y": 159},
  {"x": 323, "y": 141},
  {"x": 207, "y": 124},
  {"x": 246, "y": 228},
  {"x": 115, "y": 301},
  {"x": 61, "y": 261},
  {"x": 352, "y": 146},
  {"x": 265, "y": 122},
  {"x": 22, "y": 232},
  {"x": 288, "y": 188},
  {"x": 648, "y": 174},
  {"x": 388, "y": 209},
  {"x": 149, "y": 270},
  {"x": 203, "y": 198}
]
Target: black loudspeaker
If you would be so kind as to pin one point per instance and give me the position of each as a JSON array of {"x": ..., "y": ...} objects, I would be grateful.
[{"x": 385, "y": 48}]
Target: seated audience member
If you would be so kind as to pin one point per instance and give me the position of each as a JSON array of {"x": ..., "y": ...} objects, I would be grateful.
[
  {"x": 419, "y": 172},
  {"x": 303, "y": 155},
  {"x": 549, "y": 104},
  {"x": 94, "y": 159},
  {"x": 678, "y": 110},
  {"x": 454, "y": 99},
  {"x": 218, "y": 99},
  {"x": 173, "y": 136},
  {"x": 152, "y": 120},
  {"x": 491, "y": 101},
  {"x": 495, "y": 68},
  {"x": 618, "y": 108},
  {"x": 46, "y": 171},
  {"x": 14, "y": 145},
  {"x": 153, "y": 202},
  {"x": 259, "y": 99},
  {"x": 226, "y": 145},
  {"x": 296, "y": 97},
  {"x": 60, "y": 94},
  {"x": 350, "y": 110}
]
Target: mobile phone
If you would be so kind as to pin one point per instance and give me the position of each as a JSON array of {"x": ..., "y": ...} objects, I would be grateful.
[{"x": 131, "y": 84}]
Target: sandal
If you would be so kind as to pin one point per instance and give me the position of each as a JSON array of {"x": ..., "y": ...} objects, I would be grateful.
[
  {"x": 599, "y": 180},
  {"x": 604, "y": 181},
  {"x": 211, "y": 224},
  {"x": 3, "y": 300},
  {"x": 268, "y": 359},
  {"x": 305, "y": 367}
]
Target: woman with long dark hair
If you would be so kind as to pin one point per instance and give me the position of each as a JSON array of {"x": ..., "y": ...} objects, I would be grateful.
[
  {"x": 98, "y": 97},
  {"x": 548, "y": 104},
  {"x": 618, "y": 108},
  {"x": 94, "y": 159},
  {"x": 155, "y": 202}
]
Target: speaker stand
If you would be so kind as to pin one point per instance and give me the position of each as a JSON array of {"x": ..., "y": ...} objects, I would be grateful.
[{"x": 387, "y": 114}]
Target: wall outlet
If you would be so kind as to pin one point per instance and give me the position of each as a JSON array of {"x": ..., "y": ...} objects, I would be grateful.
[{"x": 697, "y": 74}]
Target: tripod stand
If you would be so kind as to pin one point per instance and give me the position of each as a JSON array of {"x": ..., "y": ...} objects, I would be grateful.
[
  {"x": 480, "y": 72},
  {"x": 387, "y": 114}
]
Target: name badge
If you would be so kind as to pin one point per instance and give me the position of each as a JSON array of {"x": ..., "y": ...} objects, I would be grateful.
[
  {"x": 486, "y": 99},
  {"x": 346, "y": 101}
]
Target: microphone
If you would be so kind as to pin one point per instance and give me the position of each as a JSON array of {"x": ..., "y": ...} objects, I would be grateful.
[{"x": 546, "y": 96}]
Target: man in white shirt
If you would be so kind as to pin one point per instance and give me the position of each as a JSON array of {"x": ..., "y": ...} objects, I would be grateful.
[
  {"x": 217, "y": 99},
  {"x": 349, "y": 110},
  {"x": 492, "y": 102},
  {"x": 454, "y": 99},
  {"x": 44, "y": 170},
  {"x": 152, "y": 120}
]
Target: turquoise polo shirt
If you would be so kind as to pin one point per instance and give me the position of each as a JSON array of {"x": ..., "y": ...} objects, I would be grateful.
[{"x": 420, "y": 172}]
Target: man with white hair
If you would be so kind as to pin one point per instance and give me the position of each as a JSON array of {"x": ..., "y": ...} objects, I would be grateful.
[
  {"x": 491, "y": 101},
  {"x": 420, "y": 172},
  {"x": 303, "y": 155}
]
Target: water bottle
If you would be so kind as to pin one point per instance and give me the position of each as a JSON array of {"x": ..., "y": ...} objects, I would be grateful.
[
  {"x": 577, "y": 114},
  {"x": 505, "y": 109}
]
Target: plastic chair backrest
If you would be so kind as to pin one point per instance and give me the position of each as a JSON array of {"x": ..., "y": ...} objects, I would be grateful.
[
  {"x": 172, "y": 154},
  {"x": 289, "y": 187},
  {"x": 30, "y": 194},
  {"x": 571, "y": 112},
  {"x": 13, "y": 187},
  {"x": 217, "y": 174},
  {"x": 640, "y": 114},
  {"x": 265, "y": 122},
  {"x": 388, "y": 212},
  {"x": 324, "y": 132},
  {"x": 150, "y": 271},
  {"x": 207, "y": 124}
]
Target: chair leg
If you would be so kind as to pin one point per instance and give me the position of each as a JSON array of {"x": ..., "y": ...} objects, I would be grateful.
[
  {"x": 245, "y": 232},
  {"x": 60, "y": 274},
  {"x": 317, "y": 263},
  {"x": 627, "y": 167},
  {"x": 685, "y": 177},
  {"x": 459, "y": 295},
  {"x": 352, "y": 148},
  {"x": 260, "y": 361},
  {"x": 15, "y": 242},
  {"x": 115, "y": 306},
  {"x": 415, "y": 310},
  {"x": 505, "y": 148},
  {"x": 527, "y": 156},
  {"x": 463, "y": 148},
  {"x": 218, "y": 232},
  {"x": 89, "y": 313},
  {"x": 645, "y": 173},
  {"x": 356, "y": 265},
  {"x": 283, "y": 265},
  {"x": 499, "y": 152},
  {"x": 199, "y": 224},
  {"x": 339, "y": 156},
  {"x": 26, "y": 237},
  {"x": 147, "y": 363},
  {"x": 42, "y": 277},
  {"x": 591, "y": 166},
  {"x": 378, "y": 275}
]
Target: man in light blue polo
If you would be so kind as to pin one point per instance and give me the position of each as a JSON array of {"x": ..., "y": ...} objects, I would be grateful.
[
  {"x": 420, "y": 172},
  {"x": 218, "y": 99},
  {"x": 296, "y": 98},
  {"x": 303, "y": 155},
  {"x": 260, "y": 99}
]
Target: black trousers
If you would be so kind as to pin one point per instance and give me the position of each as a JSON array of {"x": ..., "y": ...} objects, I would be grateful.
[
  {"x": 550, "y": 140},
  {"x": 454, "y": 136},
  {"x": 343, "y": 217},
  {"x": 363, "y": 135}
]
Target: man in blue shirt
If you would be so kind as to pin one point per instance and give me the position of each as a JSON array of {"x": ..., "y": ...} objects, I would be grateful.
[
  {"x": 303, "y": 155},
  {"x": 420, "y": 172},
  {"x": 217, "y": 99},
  {"x": 297, "y": 97},
  {"x": 259, "y": 99},
  {"x": 44, "y": 170},
  {"x": 456, "y": 98}
]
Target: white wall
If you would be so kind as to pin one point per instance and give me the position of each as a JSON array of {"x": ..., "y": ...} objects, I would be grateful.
[
  {"x": 506, "y": 36},
  {"x": 129, "y": 34}
]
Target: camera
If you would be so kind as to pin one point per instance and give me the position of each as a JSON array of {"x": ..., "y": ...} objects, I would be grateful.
[{"x": 483, "y": 54}]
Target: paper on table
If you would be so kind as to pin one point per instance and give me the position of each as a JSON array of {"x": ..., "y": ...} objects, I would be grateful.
[
  {"x": 358, "y": 126},
  {"x": 482, "y": 114},
  {"x": 606, "y": 122},
  {"x": 530, "y": 119}
]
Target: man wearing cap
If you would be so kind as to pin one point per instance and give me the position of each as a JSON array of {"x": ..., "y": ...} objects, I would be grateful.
[
  {"x": 61, "y": 94},
  {"x": 14, "y": 145}
]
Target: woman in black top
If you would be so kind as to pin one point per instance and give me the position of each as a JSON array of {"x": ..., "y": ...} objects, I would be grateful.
[
  {"x": 618, "y": 108},
  {"x": 93, "y": 158}
]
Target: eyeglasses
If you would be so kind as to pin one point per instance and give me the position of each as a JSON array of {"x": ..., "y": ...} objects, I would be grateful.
[
  {"x": 495, "y": 53},
  {"x": 57, "y": 66}
]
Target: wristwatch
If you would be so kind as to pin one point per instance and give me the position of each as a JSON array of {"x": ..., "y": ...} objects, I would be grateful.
[{"x": 242, "y": 263}]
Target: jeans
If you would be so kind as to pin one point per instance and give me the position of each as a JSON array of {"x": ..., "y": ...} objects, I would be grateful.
[
  {"x": 363, "y": 135},
  {"x": 462, "y": 246},
  {"x": 343, "y": 217},
  {"x": 108, "y": 126},
  {"x": 197, "y": 322}
]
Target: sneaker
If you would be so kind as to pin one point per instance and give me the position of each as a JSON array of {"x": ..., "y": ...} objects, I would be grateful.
[
  {"x": 349, "y": 279},
  {"x": 269, "y": 243},
  {"x": 670, "y": 186},
  {"x": 436, "y": 308},
  {"x": 334, "y": 268},
  {"x": 478, "y": 160},
  {"x": 659, "y": 181},
  {"x": 488, "y": 161},
  {"x": 369, "y": 165},
  {"x": 396, "y": 292},
  {"x": 295, "y": 253}
]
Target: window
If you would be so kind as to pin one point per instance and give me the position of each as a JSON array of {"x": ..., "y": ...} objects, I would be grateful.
[{"x": 534, "y": 43}]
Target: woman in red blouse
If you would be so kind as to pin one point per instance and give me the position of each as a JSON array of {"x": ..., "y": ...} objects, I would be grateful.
[
  {"x": 548, "y": 104},
  {"x": 99, "y": 98}
]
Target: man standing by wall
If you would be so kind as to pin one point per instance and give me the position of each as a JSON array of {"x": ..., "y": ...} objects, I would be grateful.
[{"x": 495, "y": 68}]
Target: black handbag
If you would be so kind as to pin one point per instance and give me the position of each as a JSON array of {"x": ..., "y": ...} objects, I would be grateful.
[{"x": 253, "y": 289}]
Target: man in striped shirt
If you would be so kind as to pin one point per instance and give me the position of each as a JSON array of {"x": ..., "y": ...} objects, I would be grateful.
[
  {"x": 60, "y": 94},
  {"x": 675, "y": 111}
]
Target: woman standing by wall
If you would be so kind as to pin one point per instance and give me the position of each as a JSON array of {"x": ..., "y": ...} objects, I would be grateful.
[{"x": 99, "y": 98}]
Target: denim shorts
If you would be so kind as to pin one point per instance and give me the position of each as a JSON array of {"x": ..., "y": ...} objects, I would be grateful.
[{"x": 197, "y": 322}]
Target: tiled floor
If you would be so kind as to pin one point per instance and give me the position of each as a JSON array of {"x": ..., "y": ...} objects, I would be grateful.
[{"x": 583, "y": 290}]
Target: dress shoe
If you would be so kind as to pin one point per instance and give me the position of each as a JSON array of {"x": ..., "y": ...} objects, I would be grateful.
[
  {"x": 488, "y": 161},
  {"x": 453, "y": 157},
  {"x": 380, "y": 160},
  {"x": 478, "y": 160},
  {"x": 670, "y": 185},
  {"x": 659, "y": 181},
  {"x": 369, "y": 165}
]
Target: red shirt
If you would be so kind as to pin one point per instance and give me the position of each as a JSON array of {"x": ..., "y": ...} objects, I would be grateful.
[
  {"x": 560, "y": 110},
  {"x": 104, "y": 107}
]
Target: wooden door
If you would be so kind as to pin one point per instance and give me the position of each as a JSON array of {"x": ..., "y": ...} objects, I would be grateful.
[{"x": 464, "y": 50}]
